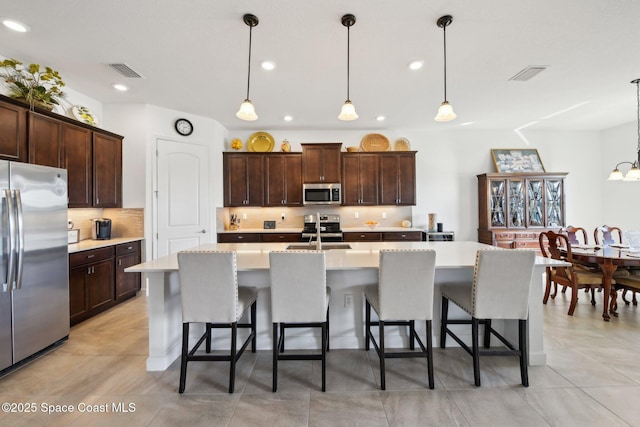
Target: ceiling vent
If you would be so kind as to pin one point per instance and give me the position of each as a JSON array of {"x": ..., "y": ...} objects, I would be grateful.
[
  {"x": 125, "y": 70},
  {"x": 528, "y": 73}
]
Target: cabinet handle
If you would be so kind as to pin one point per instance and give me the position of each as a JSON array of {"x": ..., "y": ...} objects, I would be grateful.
[
  {"x": 403, "y": 236},
  {"x": 88, "y": 270},
  {"x": 130, "y": 247},
  {"x": 362, "y": 236},
  {"x": 281, "y": 237},
  {"x": 240, "y": 237},
  {"x": 90, "y": 256},
  {"x": 119, "y": 262}
]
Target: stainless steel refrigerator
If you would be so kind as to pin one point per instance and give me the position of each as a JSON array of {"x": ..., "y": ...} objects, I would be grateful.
[{"x": 34, "y": 271}]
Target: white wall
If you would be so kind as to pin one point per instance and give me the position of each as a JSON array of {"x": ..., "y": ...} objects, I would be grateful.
[{"x": 620, "y": 200}]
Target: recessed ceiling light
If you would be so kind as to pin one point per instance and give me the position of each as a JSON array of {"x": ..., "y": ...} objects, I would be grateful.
[
  {"x": 268, "y": 65},
  {"x": 120, "y": 87},
  {"x": 288, "y": 118},
  {"x": 15, "y": 25},
  {"x": 416, "y": 65},
  {"x": 381, "y": 118}
]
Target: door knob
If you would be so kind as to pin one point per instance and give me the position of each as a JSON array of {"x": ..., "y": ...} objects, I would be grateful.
[{"x": 202, "y": 231}]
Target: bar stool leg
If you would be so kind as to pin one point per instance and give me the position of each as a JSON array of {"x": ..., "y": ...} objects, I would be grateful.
[
  {"x": 367, "y": 327},
  {"x": 232, "y": 369},
  {"x": 430, "y": 355},
  {"x": 325, "y": 344},
  {"x": 253, "y": 327},
  {"x": 183, "y": 360},
  {"x": 412, "y": 331},
  {"x": 443, "y": 324},
  {"x": 274, "y": 386},
  {"x": 476, "y": 350},
  {"x": 487, "y": 333},
  {"x": 524, "y": 362},
  {"x": 381, "y": 354}
]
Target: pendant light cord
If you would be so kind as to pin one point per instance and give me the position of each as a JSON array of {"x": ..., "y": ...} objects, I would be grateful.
[
  {"x": 444, "y": 31},
  {"x": 638, "y": 110},
  {"x": 348, "y": 56},
  {"x": 249, "y": 67}
]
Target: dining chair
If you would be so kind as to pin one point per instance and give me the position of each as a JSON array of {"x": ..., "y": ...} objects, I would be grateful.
[
  {"x": 572, "y": 235},
  {"x": 606, "y": 235},
  {"x": 299, "y": 299},
  {"x": 210, "y": 294},
  {"x": 500, "y": 290},
  {"x": 404, "y": 294},
  {"x": 557, "y": 246}
]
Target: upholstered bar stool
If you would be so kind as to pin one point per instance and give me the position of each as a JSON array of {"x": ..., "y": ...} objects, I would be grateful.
[
  {"x": 299, "y": 299},
  {"x": 404, "y": 294},
  {"x": 500, "y": 290},
  {"x": 210, "y": 294}
]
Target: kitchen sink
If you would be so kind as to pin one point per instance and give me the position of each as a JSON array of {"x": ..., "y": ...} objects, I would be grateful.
[{"x": 312, "y": 246}]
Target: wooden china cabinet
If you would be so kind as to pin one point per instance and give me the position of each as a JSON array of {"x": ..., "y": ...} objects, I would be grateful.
[{"x": 514, "y": 208}]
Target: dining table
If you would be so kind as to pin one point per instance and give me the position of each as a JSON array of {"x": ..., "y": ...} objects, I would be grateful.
[{"x": 608, "y": 258}]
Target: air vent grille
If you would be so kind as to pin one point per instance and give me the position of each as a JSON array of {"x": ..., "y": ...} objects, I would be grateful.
[
  {"x": 125, "y": 70},
  {"x": 528, "y": 73}
]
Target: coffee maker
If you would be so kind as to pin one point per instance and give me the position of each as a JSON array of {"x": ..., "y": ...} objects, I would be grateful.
[{"x": 101, "y": 229}]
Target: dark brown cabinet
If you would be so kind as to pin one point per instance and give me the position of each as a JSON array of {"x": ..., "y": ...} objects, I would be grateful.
[
  {"x": 243, "y": 176},
  {"x": 58, "y": 144},
  {"x": 514, "y": 208},
  {"x": 13, "y": 132},
  {"x": 321, "y": 162},
  {"x": 107, "y": 171},
  {"x": 360, "y": 179},
  {"x": 127, "y": 284},
  {"x": 386, "y": 236},
  {"x": 91, "y": 283},
  {"x": 283, "y": 179},
  {"x": 281, "y": 237},
  {"x": 259, "y": 237},
  {"x": 367, "y": 236},
  {"x": 398, "y": 178}
]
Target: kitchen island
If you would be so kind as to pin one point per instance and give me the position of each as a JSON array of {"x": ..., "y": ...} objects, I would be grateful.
[{"x": 348, "y": 272}]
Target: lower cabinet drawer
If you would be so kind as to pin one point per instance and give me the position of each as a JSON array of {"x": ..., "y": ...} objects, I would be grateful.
[
  {"x": 526, "y": 244},
  {"x": 281, "y": 237},
  {"x": 92, "y": 255},
  {"x": 238, "y": 237},
  {"x": 362, "y": 237},
  {"x": 410, "y": 236}
]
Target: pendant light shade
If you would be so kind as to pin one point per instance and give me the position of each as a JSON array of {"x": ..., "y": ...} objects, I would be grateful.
[
  {"x": 634, "y": 173},
  {"x": 445, "y": 112},
  {"x": 246, "y": 111},
  {"x": 348, "y": 111}
]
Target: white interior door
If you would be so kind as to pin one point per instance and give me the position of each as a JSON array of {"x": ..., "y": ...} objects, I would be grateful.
[{"x": 182, "y": 205}]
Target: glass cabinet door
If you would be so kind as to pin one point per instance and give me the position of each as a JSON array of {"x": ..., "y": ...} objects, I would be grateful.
[
  {"x": 516, "y": 203},
  {"x": 497, "y": 194},
  {"x": 535, "y": 203},
  {"x": 554, "y": 202}
]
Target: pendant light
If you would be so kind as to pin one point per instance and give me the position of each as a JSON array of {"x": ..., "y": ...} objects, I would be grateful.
[
  {"x": 445, "y": 112},
  {"x": 634, "y": 172},
  {"x": 246, "y": 111},
  {"x": 348, "y": 111}
]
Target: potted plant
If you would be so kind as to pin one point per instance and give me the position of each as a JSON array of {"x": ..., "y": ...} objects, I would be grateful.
[{"x": 32, "y": 84}]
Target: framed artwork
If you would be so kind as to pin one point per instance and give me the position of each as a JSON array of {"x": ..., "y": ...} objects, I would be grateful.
[{"x": 514, "y": 160}]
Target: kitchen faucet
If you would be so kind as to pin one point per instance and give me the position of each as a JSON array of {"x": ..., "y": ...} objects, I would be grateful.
[{"x": 318, "y": 239}]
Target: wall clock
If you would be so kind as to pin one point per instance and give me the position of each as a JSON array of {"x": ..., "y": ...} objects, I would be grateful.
[{"x": 184, "y": 127}]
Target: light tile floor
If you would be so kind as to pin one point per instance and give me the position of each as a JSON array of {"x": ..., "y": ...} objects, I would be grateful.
[{"x": 591, "y": 379}]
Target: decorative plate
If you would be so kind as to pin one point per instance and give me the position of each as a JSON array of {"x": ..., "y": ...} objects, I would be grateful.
[
  {"x": 401, "y": 144},
  {"x": 260, "y": 142},
  {"x": 85, "y": 115},
  {"x": 375, "y": 142}
]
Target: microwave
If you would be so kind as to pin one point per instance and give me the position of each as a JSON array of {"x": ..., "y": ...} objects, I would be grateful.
[{"x": 322, "y": 194}]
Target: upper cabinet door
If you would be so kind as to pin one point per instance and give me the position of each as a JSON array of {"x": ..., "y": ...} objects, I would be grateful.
[
  {"x": 45, "y": 140},
  {"x": 77, "y": 159},
  {"x": 397, "y": 179},
  {"x": 107, "y": 171},
  {"x": 13, "y": 137},
  {"x": 321, "y": 163},
  {"x": 243, "y": 179},
  {"x": 283, "y": 185}
]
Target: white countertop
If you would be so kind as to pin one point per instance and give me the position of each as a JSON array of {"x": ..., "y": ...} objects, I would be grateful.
[
  {"x": 85, "y": 245},
  {"x": 362, "y": 255}
]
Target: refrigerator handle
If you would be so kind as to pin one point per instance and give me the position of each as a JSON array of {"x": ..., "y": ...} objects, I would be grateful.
[
  {"x": 8, "y": 286},
  {"x": 20, "y": 233}
]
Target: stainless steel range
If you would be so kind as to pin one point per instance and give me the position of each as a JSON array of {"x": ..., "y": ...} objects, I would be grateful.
[{"x": 329, "y": 228}]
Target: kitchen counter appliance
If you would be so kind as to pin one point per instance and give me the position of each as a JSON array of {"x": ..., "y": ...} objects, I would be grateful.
[
  {"x": 101, "y": 229},
  {"x": 330, "y": 230},
  {"x": 34, "y": 267}
]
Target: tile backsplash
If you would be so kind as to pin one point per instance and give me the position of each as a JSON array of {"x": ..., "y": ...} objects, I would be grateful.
[{"x": 124, "y": 222}]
